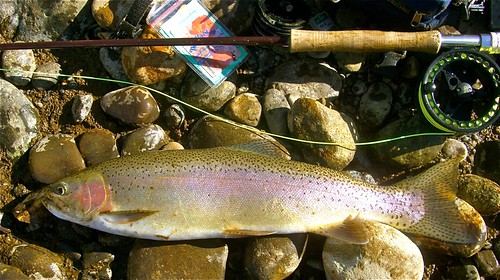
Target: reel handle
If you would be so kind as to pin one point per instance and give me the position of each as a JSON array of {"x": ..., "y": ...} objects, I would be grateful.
[{"x": 364, "y": 41}]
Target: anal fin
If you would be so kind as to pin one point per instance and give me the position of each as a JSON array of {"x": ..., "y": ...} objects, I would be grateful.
[
  {"x": 351, "y": 230},
  {"x": 236, "y": 232},
  {"x": 127, "y": 216}
]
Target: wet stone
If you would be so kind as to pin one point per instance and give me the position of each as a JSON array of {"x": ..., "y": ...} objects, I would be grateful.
[
  {"x": 21, "y": 60},
  {"x": 483, "y": 194},
  {"x": 410, "y": 152},
  {"x": 276, "y": 110},
  {"x": 389, "y": 254},
  {"x": 111, "y": 60},
  {"x": 487, "y": 263},
  {"x": 81, "y": 106},
  {"x": 487, "y": 160},
  {"x": 198, "y": 93},
  {"x": 454, "y": 148},
  {"x": 151, "y": 65},
  {"x": 18, "y": 121},
  {"x": 208, "y": 132},
  {"x": 204, "y": 259},
  {"x": 148, "y": 138},
  {"x": 39, "y": 263},
  {"x": 466, "y": 272},
  {"x": 244, "y": 108},
  {"x": 173, "y": 146},
  {"x": 54, "y": 157},
  {"x": 351, "y": 62},
  {"x": 109, "y": 13},
  {"x": 133, "y": 105},
  {"x": 96, "y": 266},
  {"x": 275, "y": 257},
  {"x": 97, "y": 145},
  {"x": 46, "y": 75},
  {"x": 310, "y": 120},
  {"x": 174, "y": 115},
  {"x": 375, "y": 105},
  {"x": 306, "y": 78},
  {"x": 8, "y": 272}
]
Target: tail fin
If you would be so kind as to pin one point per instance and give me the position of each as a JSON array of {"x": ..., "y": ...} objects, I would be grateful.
[{"x": 447, "y": 218}]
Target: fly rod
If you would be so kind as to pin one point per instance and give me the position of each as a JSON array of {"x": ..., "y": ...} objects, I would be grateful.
[{"x": 303, "y": 41}]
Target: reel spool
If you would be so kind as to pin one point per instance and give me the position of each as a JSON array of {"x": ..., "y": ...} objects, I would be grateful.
[
  {"x": 460, "y": 91},
  {"x": 279, "y": 17}
]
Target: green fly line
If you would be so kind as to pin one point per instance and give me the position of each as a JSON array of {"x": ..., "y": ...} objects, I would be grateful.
[{"x": 239, "y": 125}]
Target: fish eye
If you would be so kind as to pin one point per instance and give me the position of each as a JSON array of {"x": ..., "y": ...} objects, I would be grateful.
[{"x": 60, "y": 189}]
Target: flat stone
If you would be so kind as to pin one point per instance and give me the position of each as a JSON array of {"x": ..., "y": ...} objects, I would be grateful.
[
  {"x": 310, "y": 120},
  {"x": 47, "y": 75},
  {"x": 203, "y": 259},
  {"x": 389, "y": 254},
  {"x": 18, "y": 121},
  {"x": 97, "y": 145},
  {"x": 54, "y": 157}
]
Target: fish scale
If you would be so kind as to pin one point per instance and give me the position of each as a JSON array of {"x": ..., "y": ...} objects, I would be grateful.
[{"x": 233, "y": 192}]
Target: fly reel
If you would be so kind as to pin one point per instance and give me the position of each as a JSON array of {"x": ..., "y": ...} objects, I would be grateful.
[{"x": 460, "y": 91}]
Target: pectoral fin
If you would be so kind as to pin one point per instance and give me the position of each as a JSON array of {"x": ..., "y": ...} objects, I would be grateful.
[
  {"x": 350, "y": 230},
  {"x": 123, "y": 217},
  {"x": 234, "y": 232}
]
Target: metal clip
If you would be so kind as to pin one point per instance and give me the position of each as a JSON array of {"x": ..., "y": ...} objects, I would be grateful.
[{"x": 417, "y": 18}]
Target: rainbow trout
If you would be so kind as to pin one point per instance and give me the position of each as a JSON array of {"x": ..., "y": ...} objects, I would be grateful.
[{"x": 234, "y": 192}]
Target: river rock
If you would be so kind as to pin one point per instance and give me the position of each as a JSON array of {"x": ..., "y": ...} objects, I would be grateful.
[
  {"x": 109, "y": 13},
  {"x": 20, "y": 60},
  {"x": 175, "y": 115},
  {"x": 168, "y": 260},
  {"x": 133, "y": 105},
  {"x": 389, "y": 254},
  {"x": 209, "y": 132},
  {"x": 468, "y": 272},
  {"x": 148, "y": 138},
  {"x": 96, "y": 266},
  {"x": 198, "y": 93},
  {"x": 10, "y": 13},
  {"x": 487, "y": 161},
  {"x": 409, "y": 152},
  {"x": 151, "y": 65},
  {"x": 40, "y": 263},
  {"x": 97, "y": 145},
  {"x": 244, "y": 108},
  {"x": 276, "y": 110},
  {"x": 310, "y": 120},
  {"x": 351, "y": 62},
  {"x": 45, "y": 20},
  {"x": 487, "y": 263},
  {"x": 18, "y": 121},
  {"x": 172, "y": 146},
  {"x": 54, "y": 157},
  {"x": 275, "y": 257},
  {"x": 237, "y": 15},
  {"x": 453, "y": 148},
  {"x": 483, "y": 194},
  {"x": 375, "y": 105},
  {"x": 8, "y": 272},
  {"x": 111, "y": 60},
  {"x": 306, "y": 78},
  {"x": 46, "y": 75},
  {"x": 81, "y": 106}
]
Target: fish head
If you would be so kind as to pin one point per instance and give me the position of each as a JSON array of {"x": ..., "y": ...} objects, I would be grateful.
[{"x": 77, "y": 198}]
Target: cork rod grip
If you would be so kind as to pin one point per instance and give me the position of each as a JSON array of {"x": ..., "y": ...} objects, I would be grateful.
[{"x": 364, "y": 41}]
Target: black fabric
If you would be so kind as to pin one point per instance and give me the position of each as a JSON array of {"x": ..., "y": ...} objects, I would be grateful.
[{"x": 130, "y": 27}]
